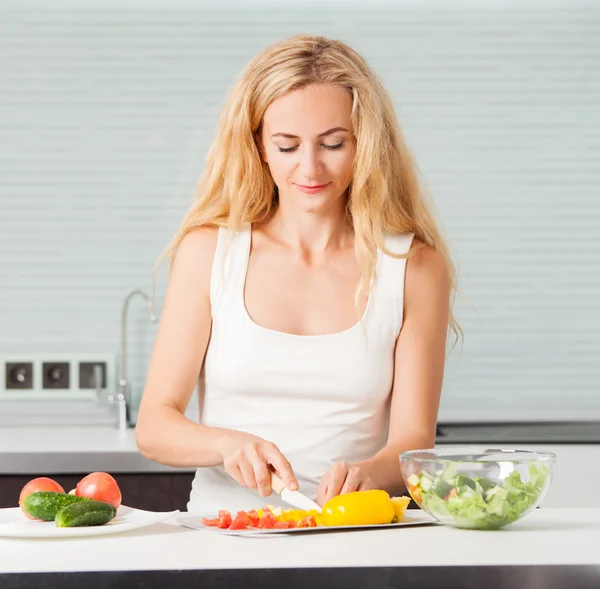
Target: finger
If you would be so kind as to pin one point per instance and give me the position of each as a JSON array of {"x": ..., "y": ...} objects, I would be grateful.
[
  {"x": 247, "y": 473},
  {"x": 281, "y": 465},
  {"x": 236, "y": 474},
  {"x": 352, "y": 482},
  {"x": 262, "y": 476},
  {"x": 365, "y": 484},
  {"x": 322, "y": 489},
  {"x": 337, "y": 480}
]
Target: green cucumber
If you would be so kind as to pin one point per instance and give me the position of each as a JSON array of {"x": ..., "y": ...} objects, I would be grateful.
[
  {"x": 45, "y": 505},
  {"x": 89, "y": 513}
]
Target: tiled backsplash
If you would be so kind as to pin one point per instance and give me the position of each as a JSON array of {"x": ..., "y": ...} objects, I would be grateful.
[{"x": 107, "y": 112}]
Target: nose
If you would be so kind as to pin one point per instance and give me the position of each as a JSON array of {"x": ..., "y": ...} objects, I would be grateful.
[{"x": 310, "y": 164}]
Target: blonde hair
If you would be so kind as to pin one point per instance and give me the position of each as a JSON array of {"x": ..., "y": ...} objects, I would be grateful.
[{"x": 384, "y": 196}]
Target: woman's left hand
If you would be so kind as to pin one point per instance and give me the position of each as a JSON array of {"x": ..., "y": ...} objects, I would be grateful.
[{"x": 343, "y": 478}]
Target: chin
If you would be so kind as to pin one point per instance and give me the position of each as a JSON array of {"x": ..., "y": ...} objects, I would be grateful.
[{"x": 313, "y": 203}]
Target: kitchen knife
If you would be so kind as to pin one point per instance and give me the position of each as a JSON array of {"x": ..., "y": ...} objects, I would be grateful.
[{"x": 294, "y": 498}]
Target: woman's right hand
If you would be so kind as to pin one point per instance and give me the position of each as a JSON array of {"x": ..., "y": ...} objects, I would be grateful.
[{"x": 249, "y": 460}]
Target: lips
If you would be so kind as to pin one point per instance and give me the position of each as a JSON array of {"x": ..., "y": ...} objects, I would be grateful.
[{"x": 311, "y": 189}]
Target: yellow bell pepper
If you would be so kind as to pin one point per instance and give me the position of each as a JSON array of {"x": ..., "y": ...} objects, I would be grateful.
[
  {"x": 358, "y": 508},
  {"x": 294, "y": 515},
  {"x": 351, "y": 509},
  {"x": 400, "y": 504},
  {"x": 297, "y": 515}
]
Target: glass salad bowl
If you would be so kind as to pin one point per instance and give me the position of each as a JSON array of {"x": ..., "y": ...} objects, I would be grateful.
[{"x": 477, "y": 488}]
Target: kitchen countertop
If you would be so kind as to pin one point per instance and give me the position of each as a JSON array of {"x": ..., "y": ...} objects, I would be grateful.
[
  {"x": 550, "y": 548},
  {"x": 555, "y": 432},
  {"x": 46, "y": 449}
]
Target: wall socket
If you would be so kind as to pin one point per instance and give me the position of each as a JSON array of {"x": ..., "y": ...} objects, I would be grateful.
[
  {"x": 88, "y": 379},
  {"x": 56, "y": 375},
  {"x": 18, "y": 375},
  {"x": 61, "y": 376}
]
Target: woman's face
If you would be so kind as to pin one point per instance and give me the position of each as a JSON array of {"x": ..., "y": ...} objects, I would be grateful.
[{"x": 307, "y": 141}]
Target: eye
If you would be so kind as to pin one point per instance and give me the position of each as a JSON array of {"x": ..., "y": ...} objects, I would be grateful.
[{"x": 295, "y": 147}]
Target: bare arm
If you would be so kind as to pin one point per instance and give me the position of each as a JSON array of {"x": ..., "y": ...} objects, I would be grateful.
[
  {"x": 163, "y": 433},
  {"x": 419, "y": 368},
  {"x": 418, "y": 374}
]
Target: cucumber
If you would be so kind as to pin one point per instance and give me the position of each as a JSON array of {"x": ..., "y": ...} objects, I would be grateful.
[
  {"x": 426, "y": 482},
  {"x": 88, "y": 513},
  {"x": 45, "y": 505}
]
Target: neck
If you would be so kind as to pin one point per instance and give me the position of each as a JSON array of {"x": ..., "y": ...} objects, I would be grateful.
[{"x": 310, "y": 235}]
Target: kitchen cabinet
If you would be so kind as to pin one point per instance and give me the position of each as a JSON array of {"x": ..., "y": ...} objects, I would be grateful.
[{"x": 150, "y": 491}]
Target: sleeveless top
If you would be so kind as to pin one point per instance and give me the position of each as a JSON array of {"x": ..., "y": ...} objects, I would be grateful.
[{"x": 320, "y": 398}]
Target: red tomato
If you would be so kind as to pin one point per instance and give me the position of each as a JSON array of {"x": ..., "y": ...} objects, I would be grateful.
[
  {"x": 311, "y": 522},
  {"x": 240, "y": 522},
  {"x": 39, "y": 484},
  {"x": 453, "y": 493},
  {"x": 283, "y": 525},
  {"x": 224, "y": 519},
  {"x": 416, "y": 494},
  {"x": 253, "y": 516},
  {"x": 101, "y": 487},
  {"x": 211, "y": 522},
  {"x": 268, "y": 520}
]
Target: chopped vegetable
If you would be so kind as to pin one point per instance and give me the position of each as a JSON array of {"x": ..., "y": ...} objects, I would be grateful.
[
  {"x": 263, "y": 519},
  {"x": 478, "y": 502},
  {"x": 400, "y": 504},
  {"x": 359, "y": 508}
]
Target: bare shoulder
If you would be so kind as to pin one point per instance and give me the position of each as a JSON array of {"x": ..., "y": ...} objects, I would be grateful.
[
  {"x": 427, "y": 273},
  {"x": 197, "y": 249},
  {"x": 200, "y": 241},
  {"x": 194, "y": 259}
]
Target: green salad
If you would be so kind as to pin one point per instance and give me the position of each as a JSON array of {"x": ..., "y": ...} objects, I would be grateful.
[{"x": 478, "y": 502}]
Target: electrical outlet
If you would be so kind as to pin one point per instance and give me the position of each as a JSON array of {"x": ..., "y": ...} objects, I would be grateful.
[
  {"x": 87, "y": 375},
  {"x": 19, "y": 375},
  {"x": 55, "y": 375}
]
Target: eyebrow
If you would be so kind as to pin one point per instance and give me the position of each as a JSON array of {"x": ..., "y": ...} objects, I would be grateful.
[{"x": 324, "y": 134}]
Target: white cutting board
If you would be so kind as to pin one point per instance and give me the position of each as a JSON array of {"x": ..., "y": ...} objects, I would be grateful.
[{"x": 418, "y": 518}]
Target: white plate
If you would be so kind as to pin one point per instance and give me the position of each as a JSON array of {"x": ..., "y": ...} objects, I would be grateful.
[
  {"x": 14, "y": 524},
  {"x": 419, "y": 518}
]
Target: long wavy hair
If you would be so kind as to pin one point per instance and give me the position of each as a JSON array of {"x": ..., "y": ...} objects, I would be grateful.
[{"x": 385, "y": 195}]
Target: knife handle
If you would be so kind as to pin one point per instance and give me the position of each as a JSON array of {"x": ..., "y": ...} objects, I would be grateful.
[{"x": 277, "y": 484}]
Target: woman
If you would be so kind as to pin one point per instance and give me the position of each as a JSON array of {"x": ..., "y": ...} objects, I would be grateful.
[{"x": 309, "y": 294}]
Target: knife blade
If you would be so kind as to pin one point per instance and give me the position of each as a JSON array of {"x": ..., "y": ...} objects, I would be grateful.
[{"x": 294, "y": 498}]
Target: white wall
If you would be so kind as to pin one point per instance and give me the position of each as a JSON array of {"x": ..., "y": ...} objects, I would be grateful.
[{"x": 107, "y": 110}]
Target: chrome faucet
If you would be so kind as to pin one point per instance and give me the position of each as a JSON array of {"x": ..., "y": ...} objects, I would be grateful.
[{"x": 123, "y": 397}]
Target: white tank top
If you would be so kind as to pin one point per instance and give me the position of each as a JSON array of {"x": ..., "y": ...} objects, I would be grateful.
[{"x": 320, "y": 398}]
